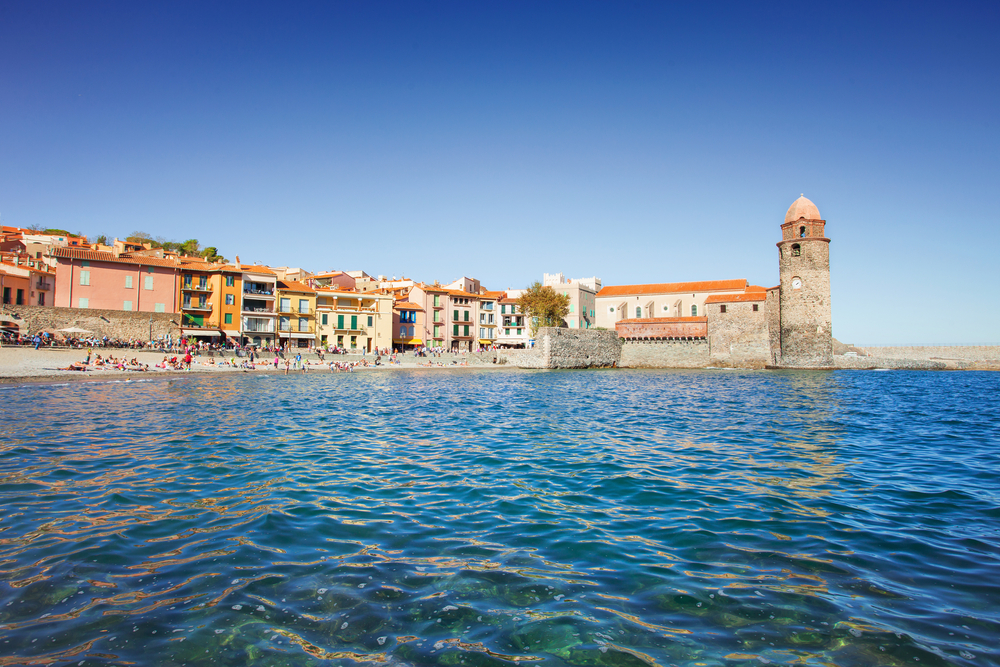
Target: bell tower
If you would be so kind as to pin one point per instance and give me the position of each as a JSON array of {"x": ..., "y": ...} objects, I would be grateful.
[{"x": 804, "y": 268}]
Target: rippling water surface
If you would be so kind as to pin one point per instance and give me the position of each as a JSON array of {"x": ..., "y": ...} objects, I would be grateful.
[{"x": 487, "y": 518}]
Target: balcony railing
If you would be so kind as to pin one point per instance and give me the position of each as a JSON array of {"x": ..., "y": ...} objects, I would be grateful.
[
  {"x": 196, "y": 306},
  {"x": 293, "y": 310},
  {"x": 293, "y": 327},
  {"x": 258, "y": 309},
  {"x": 43, "y": 285},
  {"x": 196, "y": 288},
  {"x": 257, "y": 291}
]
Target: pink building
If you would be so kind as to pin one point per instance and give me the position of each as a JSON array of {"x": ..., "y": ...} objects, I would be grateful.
[{"x": 103, "y": 280}]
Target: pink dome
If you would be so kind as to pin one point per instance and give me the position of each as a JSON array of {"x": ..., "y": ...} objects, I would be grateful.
[{"x": 802, "y": 208}]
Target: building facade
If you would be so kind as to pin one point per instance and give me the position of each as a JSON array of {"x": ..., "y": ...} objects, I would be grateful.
[
  {"x": 296, "y": 314},
  {"x": 93, "y": 279}
]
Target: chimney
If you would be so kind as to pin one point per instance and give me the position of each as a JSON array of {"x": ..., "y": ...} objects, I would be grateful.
[{"x": 237, "y": 261}]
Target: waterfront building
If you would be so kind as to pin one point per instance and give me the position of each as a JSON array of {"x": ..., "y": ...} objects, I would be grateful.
[
  {"x": 26, "y": 281},
  {"x": 615, "y": 303},
  {"x": 582, "y": 293},
  {"x": 489, "y": 316},
  {"x": 93, "y": 279},
  {"x": 331, "y": 280},
  {"x": 408, "y": 325},
  {"x": 258, "y": 308},
  {"x": 354, "y": 320},
  {"x": 210, "y": 300},
  {"x": 296, "y": 314},
  {"x": 514, "y": 330}
]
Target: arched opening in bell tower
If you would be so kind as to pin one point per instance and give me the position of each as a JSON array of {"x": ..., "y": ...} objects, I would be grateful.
[{"x": 796, "y": 250}]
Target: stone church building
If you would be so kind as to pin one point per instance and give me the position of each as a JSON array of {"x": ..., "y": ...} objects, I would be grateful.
[{"x": 731, "y": 322}]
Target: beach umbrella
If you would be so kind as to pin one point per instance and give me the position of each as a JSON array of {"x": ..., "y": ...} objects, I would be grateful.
[{"x": 75, "y": 330}]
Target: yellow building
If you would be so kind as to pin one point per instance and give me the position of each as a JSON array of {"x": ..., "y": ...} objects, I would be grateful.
[
  {"x": 296, "y": 314},
  {"x": 354, "y": 320}
]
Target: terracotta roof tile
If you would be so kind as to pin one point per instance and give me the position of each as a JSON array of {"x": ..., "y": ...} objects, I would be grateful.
[
  {"x": 97, "y": 256},
  {"x": 406, "y": 305},
  {"x": 295, "y": 286},
  {"x": 673, "y": 288}
]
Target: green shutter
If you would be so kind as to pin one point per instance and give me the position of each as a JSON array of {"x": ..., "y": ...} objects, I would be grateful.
[
  {"x": 454, "y": 330},
  {"x": 456, "y": 316},
  {"x": 354, "y": 321},
  {"x": 466, "y": 329},
  {"x": 340, "y": 321}
]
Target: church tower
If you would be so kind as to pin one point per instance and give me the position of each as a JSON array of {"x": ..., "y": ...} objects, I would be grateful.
[{"x": 804, "y": 267}]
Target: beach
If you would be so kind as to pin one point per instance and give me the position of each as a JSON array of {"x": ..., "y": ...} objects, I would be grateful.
[{"x": 25, "y": 364}]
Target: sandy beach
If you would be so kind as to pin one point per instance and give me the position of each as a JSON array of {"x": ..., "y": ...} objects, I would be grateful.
[{"x": 25, "y": 364}]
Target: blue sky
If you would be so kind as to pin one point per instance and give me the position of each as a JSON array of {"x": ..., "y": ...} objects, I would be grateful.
[{"x": 639, "y": 142}]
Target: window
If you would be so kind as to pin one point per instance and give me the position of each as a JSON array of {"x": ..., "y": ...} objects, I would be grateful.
[
  {"x": 159, "y": 308},
  {"x": 454, "y": 330},
  {"x": 127, "y": 305},
  {"x": 303, "y": 305},
  {"x": 638, "y": 311},
  {"x": 437, "y": 330},
  {"x": 796, "y": 250},
  {"x": 203, "y": 282},
  {"x": 84, "y": 264},
  {"x": 84, "y": 277},
  {"x": 611, "y": 309},
  {"x": 455, "y": 316},
  {"x": 6, "y": 295},
  {"x": 41, "y": 298},
  {"x": 354, "y": 322},
  {"x": 503, "y": 309},
  {"x": 802, "y": 232},
  {"x": 284, "y": 305},
  {"x": 506, "y": 332},
  {"x": 20, "y": 297},
  {"x": 230, "y": 281},
  {"x": 437, "y": 300},
  {"x": 149, "y": 282},
  {"x": 201, "y": 300},
  {"x": 722, "y": 308},
  {"x": 694, "y": 310},
  {"x": 303, "y": 324},
  {"x": 354, "y": 342},
  {"x": 128, "y": 282},
  {"x": 755, "y": 308},
  {"x": 187, "y": 280},
  {"x": 437, "y": 315},
  {"x": 84, "y": 302},
  {"x": 340, "y": 321},
  {"x": 149, "y": 270},
  {"x": 466, "y": 330},
  {"x": 572, "y": 308},
  {"x": 466, "y": 316},
  {"x": 325, "y": 322},
  {"x": 230, "y": 299},
  {"x": 519, "y": 332},
  {"x": 187, "y": 301},
  {"x": 229, "y": 318},
  {"x": 370, "y": 319}
]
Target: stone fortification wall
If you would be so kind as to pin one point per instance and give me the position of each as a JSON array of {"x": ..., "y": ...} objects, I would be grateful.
[
  {"x": 580, "y": 348},
  {"x": 665, "y": 354},
  {"x": 123, "y": 325},
  {"x": 739, "y": 336}
]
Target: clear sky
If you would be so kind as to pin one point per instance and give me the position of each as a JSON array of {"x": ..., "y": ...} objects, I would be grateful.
[{"x": 635, "y": 141}]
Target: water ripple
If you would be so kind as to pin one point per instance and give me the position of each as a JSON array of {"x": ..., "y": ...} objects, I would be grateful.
[{"x": 487, "y": 518}]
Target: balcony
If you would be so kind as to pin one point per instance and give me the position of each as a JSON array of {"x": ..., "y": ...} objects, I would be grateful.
[
  {"x": 191, "y": 287},
  {"x": 251, "y": 310},
  {"x": 259, "y": 292},
  {"x": 256, "y": 326},
  {"x": 292, "y": 310},
  {"x": 43, "y": 285},
  {"x": 294, "y": 327},
  {"x": 207, "y": 307}
]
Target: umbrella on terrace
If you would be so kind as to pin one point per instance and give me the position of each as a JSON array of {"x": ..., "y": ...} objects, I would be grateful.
[{"x": 75, "y": 330}]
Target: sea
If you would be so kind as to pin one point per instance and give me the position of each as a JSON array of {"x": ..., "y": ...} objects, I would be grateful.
[{"x": 502, "y": 517}]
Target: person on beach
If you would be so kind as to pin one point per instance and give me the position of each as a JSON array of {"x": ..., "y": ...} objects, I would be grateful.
[
  {"x": 187, "y": 361},
  {"x": 287, "y": 364}
]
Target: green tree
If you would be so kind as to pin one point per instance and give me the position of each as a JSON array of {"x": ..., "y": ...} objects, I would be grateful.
[
  {"x": 191, "y": 247},
  {"x": 102, "y": 239},
  {"x": 543, "y": 306},
  {"x": 211, "y": 253}
]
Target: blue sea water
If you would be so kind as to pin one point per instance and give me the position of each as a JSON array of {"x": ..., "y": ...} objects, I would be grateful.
[{"x": 454, "y": 518}]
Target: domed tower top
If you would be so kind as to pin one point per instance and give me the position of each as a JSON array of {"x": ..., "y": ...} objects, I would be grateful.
[
  {"x": 803, "y": 221},
  {"x": 802, "y": 208}
]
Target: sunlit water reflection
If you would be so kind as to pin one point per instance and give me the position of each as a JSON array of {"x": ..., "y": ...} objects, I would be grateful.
[{"x": 485, "y": 518}]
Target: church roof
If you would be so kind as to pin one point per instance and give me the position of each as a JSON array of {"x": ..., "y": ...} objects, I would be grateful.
[
  {"x": 802, "y": 208},
  {"x": 672, "y": 288}
]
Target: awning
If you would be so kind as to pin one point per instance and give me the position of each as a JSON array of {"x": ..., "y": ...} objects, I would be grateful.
[
  {"x": 486, "y": 341},
  {"x": 199, "y": 332},
  {"x": 231, "y": 333},
  {"x": 407, "y": 341},
  {"x": 303, "y": 335}
]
